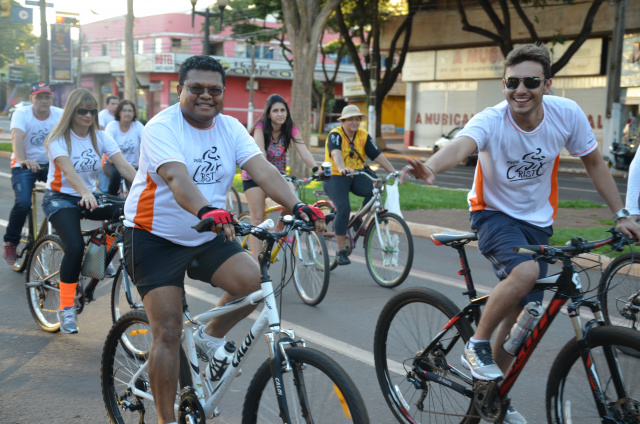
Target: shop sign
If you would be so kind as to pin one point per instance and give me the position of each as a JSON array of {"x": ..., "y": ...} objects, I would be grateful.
[
  {"x": 585, "y": 61},
  {"x": 61, "y": 54},
  {"x": 15, "y": 73},
  {"x": 164, "y": 62},
  {"x": 419, "y": 66},
  {"x": 155, "y": 87}
]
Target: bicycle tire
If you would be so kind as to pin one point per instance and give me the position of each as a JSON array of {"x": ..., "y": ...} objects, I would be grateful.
[
  {"x": 618, "y": 283},
  {"x": 244, "y": 240},
  {"x": 331, "y": 394},
  {"x": 311, "y": 269},
  {"x": 387, "y": 264},
  {"x": 233, "y": 203},
  {"x": 24, "y": 246},
  {"x": 119, "y": 365},
  {"x": 330, "y": 233},
  {"x": 568, "y": 384},
  {"x": 407, "y": 323},
  {"x": 119, "y": 303},
  {"x": 44, "y": 267}
]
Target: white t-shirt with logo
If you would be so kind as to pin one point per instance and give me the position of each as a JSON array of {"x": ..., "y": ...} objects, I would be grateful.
[
  {"x": 35, "y": 132},
  {"x": 129, "y": 142},
  {"x": 105, "y": 118},
  {"x": 517, "y": 170},
  {"x": 210, "y": 155},
  {"x": 85, "y": 159}
]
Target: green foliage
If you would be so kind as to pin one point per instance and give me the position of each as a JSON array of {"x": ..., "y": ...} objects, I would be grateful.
[
  {"x": 16, "y": 38},
  {"x": 6, "y": 147},
  {"x": 579, "y": 204}
]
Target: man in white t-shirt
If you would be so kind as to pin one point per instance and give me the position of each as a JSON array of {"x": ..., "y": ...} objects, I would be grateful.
[
  {"x": 108, "y": 114},
  {"x": 29, "y": 127},
  {"x": 188, "y": 160},
  {"x": 514, "y": 197}
]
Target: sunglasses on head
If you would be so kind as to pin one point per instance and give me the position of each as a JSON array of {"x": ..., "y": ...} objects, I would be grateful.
[
  {"x": 82, "y": 111},
  {"x": 529, "y": 82}
]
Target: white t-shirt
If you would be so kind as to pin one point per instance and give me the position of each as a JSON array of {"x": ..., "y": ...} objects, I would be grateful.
[
  {"x": 35, "y": 132},
  {"x": 85, "y": 160},
  {"x": 633, "y": 186},
  {"x": 104, "y": 118},
  {"x": 517, "y": 170},
  {"x": 210, "y": 155},
  {"x": 128, "y": 142}
]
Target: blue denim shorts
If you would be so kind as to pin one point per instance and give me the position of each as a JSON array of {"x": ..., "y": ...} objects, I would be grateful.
[
  {"x": 53, "y": 201},
  {"x": 498, "y": 233}
]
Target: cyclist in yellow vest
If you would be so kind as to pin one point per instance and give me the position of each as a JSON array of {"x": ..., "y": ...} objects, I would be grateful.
[{"x": 346, "y": 149}]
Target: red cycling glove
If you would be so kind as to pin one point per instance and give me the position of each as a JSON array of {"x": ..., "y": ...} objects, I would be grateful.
[
  {"x": 314, "y": 213},
  {"x": 220, "y": 216}
]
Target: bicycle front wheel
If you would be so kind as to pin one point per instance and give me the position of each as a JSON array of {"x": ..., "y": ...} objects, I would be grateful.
[
  {"x": 570, "y": 393},
  {"x": 409, "y": 321},
  {"x": 329, "y": 234},
  {"x": 23, "y": 247},
  {"x": 619, "y": 291},
  {"x": 43, "y": 282},
  {"x": 317, "y": 390},
  {"x": 125, "y": 352},
  {"x": 120, "y": 304},
  {"x": 388, "y": 250},
  {"x": 311, "y": 269}
]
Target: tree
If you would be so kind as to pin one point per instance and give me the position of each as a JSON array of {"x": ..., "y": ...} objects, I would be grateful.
[
  {"x": 323, "y": 91},
  {"x": 359, "y": 22},
  {"x": 16, "y": 38},
  {"x": 305, "y": 21},
  {"x": 502, "y": 34}
]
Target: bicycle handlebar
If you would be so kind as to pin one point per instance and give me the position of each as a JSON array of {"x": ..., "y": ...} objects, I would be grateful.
[
  {"x": 375, "y": 178},
  {"x": 575, "y": 246},
  {"x": 261, "y": 231}
]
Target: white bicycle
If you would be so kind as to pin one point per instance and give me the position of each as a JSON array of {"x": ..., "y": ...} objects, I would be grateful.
[{"x": 306, "y": 385}]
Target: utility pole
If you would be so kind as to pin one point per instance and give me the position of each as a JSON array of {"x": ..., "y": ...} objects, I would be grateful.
[
  {"x": 129, "y": 57},
  {"x": 251, "y": 79},
  {"x": 44, "y": 42},
  {"x": 612, "y": 119}
]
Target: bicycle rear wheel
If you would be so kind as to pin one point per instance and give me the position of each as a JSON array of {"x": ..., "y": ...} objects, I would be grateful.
[
  {"x": 119, "y": 303},
  {"x": 619, "y": 291},
  {"x": 233, "y": 204},
  {"x": 330, "y": 234},
  {"x": 43, "y": 282},
  {"x": 311, "y": 269},
  {"x": 570, "y": 396},
  {"x": 388, "y": 250},
  {"x": 125, "y": 352},
  {"x": 317, "y": 390},
  {"x": 407, "y": 324}
]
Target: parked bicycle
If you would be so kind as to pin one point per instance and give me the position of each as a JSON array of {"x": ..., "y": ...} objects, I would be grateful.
[
  {"x": 43, "y": 275},
  {"x": 311, "y": 270},
  {"x": 295, "y": 384},
  {"x": 420, "y": 336},
  {"x": 32, "y": 232},
  {"x": 388, "y": 243}
]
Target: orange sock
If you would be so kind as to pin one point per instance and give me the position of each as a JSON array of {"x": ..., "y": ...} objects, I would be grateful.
[{"x": 67, "y": 294}]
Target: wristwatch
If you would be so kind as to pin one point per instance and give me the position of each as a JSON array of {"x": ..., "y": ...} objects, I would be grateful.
[{"x": 622, "y": 213}]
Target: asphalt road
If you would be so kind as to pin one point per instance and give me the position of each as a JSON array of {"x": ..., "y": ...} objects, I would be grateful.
[{"x": 55, "y": 378}]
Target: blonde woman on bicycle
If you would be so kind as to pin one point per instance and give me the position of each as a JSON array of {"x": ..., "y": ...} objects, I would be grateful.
[{"x": 274, "y": 133}]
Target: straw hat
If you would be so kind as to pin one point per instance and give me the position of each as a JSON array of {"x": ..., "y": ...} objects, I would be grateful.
[{"x": 349, "y": 112}]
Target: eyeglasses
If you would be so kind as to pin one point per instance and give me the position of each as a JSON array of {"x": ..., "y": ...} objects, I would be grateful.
[
  {"x": 529, "y": 82},
  {"x": 213, "y": 92},
  {"x": 82, "y": 111},
  {"x": 44, "y": 96}
]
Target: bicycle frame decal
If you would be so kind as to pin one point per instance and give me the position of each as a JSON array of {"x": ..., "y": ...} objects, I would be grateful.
[{"x": 244, "y": 348}]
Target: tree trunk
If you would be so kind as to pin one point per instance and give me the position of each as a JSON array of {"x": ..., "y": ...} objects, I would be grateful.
[{"x": 129, "y": 59}]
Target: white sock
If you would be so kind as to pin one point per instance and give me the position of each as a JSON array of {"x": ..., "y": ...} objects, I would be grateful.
[{"x": 473, "y": 341}]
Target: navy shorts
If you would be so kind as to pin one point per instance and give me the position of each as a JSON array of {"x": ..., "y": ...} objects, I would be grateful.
[
  {"x": 153, "y": 261},
  {"x": 498, "y": 233}
]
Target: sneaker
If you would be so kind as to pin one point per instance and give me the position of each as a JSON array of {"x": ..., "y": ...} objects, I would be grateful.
[
  {"x": 205, "y": 347},
  {"x": 9, "y": 253},
  {"x": 513, "y": 417},
  {"x": 479, "y": 361},
  {"x": 68, "y": 318},
  {"x": 110, "y": 271},
  {"x": 342, "y": 258}
]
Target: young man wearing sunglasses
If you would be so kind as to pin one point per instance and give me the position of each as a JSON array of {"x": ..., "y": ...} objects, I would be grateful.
[
  {"x": 29, "y": 127},
  {"x": 514, "y": 197}
]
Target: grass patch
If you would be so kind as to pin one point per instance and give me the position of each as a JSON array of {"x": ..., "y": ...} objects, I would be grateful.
[
  {"x": 6, "y": 147},
  {"x": 579, "y": 204}
]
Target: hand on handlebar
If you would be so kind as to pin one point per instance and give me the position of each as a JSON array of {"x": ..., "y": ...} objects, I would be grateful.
[
  {"x": 88, "y": 201},
  {"x": 347, "y": 172},
  {"x": 309, "y": 212},
  {"x": 31, "y": 165},
  {"x": 222, "y": 221},
  {"x": 630, "y": 228}
]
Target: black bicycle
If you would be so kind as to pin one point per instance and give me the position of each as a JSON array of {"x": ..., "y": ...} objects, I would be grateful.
[{"x": 420, "y": 336}]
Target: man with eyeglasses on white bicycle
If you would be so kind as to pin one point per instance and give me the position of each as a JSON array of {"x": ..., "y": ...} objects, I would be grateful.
[
  {"x": 188, "y": 158},
  {"x": 514, "y": 197}
]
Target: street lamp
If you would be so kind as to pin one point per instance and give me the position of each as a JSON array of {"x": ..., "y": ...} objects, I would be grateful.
[{"x": 222, "y": 4}]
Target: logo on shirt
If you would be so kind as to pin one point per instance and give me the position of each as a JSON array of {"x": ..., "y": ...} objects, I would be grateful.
[
  {"x": 86, "y": 162},
  {"x": 38, "y": 138},
  {"x": 127, "y": 146},
  {"x": 532, "y": 165},
  {"x": 207, "y": 171}
]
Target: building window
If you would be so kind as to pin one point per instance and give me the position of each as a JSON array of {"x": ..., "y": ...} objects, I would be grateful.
[
  {"x": 175, "y": 44},
  {"x": 105, "y": 49},
  {"x": 140, "y": 46},
  {"x": 157, "y": 48},
  {"x": 123, "y": 48}
]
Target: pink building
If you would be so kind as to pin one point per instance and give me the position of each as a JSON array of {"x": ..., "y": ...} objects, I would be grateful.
[{"x": 163, "y": 42}]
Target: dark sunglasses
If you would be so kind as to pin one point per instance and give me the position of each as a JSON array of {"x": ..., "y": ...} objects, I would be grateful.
[
  {"x": 529, "y": 82},
  {"x": 213, "y": 92},
  {"x": 82, "y": 111}
]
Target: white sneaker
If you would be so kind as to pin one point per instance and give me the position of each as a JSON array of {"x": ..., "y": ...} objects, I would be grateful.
[
  {"x": 205, "y": 347},
  {"x": 68, "y": 318},
  {"x": 479, "y": 360},
  {"x": 513, "y": 417}
]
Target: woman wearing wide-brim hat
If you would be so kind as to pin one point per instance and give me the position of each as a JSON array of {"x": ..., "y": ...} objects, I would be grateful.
[{"x": 347, "y": 148}]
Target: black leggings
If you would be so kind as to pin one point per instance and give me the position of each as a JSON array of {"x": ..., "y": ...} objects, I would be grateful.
[
  {"x": 66, "y": 222},
  {"x": 338, "y": 188}
]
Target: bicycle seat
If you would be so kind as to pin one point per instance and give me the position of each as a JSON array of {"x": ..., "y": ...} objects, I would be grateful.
[{"x": 445, "y": 239}]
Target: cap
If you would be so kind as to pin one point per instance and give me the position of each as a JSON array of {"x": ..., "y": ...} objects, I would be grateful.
[
  {"x": 40, "y": 87},
  {"x": 349, "y": 112}
]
